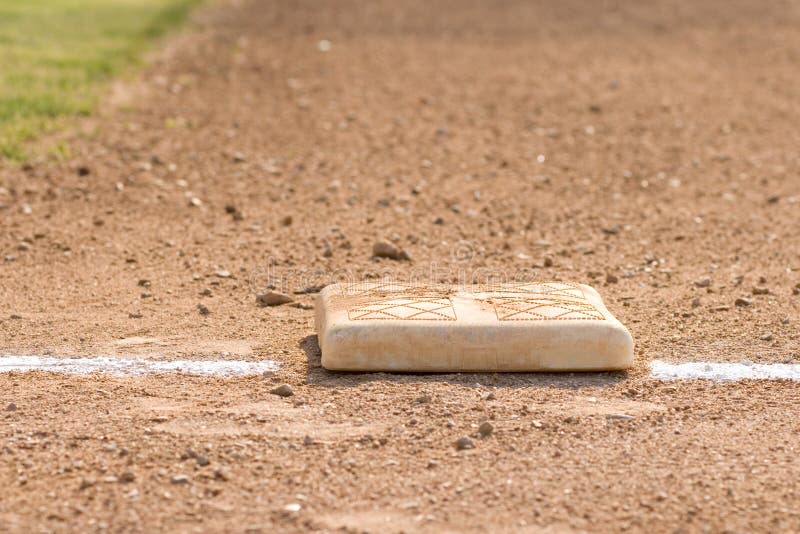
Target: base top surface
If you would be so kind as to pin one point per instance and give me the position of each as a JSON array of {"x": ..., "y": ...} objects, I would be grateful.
[{"x": 520, "y": 326}]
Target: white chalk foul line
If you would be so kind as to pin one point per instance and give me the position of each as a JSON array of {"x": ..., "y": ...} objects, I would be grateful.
[
  {"x": 659, "y": 370},
  {"x": 133, "y": 366},
  {"x": 724, "y": 372}
]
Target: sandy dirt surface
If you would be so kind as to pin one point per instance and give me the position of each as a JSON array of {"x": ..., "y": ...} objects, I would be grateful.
[{"x": 651, "y": 150}]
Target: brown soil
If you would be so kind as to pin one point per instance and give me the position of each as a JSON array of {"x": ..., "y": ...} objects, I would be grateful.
[{"x": 638, "y": 147}]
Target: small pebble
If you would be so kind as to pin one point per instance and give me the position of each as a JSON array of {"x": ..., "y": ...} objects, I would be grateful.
[
  {"x": 742, "y": 301},
  {"x": 180, "y": 479},
  {"x": 309, "y": 290},
  {"x": 767, "y": 337},
  {"x": 486, "y": 429},
  {"x": 201, "y": 460},
  {"x": 423, "y": 399},
  {"x": 464, "y": 443},
  {"x": 203, "y": 309},
  {"x": 11, "y": 407},
  {"x": 234, "y": 212},
  {"x": 284, "y": 390},
  {"x": 619, "y": 417},
  {"x": 272, "y": 298},
  {"x": 611, "y": 278},
  {"x": 703, "y": 282},
  {"x": 760, "y": 290},
  {"x": 386, "y": 249}
]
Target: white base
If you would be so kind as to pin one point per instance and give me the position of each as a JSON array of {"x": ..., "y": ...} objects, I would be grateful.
[{"x": 544, "y": 326}]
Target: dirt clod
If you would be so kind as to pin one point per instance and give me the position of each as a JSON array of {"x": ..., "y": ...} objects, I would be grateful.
[
  {"x": 485, "y": 429},
  {"x": 283, "y": 390},
  {"x": 179, "y": 479},
  {"x": 464, "y": 443},
  {"x": 272, "y": 298},
  {"x": 387, "y": 249}
]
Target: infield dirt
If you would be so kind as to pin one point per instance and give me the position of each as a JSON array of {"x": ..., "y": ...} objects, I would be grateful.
[{"x": 650, "y": 149}]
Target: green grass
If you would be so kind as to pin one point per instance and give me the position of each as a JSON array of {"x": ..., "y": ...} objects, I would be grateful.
[{"x": 56, "y": 55}]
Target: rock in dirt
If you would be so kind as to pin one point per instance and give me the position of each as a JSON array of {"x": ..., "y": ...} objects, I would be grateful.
[
  {"x": 703, "y": 282},
  {"x": 284, "y": 390},
  {"x": 203, "y": 309},
  {"x": 180, "y": 479},
  {"x": 272, "y": 298},
  {"x": 11, "y": 407},
  {"x": 486, "y": 429},
  {"x": 294, "y": 507},
  {"x": 309, "y": 290},
  {"x": 234, "y": 212},
  {"x": 760, "y": 290},
  {"x": 387, "y": 249},
  {"x": 464, "y": 443},
  {"x": 741, "y": 302},
  {"x": 619, "y": 417}
]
